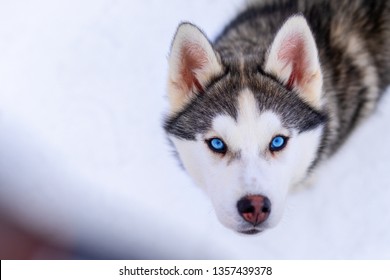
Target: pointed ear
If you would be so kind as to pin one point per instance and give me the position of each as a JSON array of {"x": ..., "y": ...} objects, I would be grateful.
[
  {"x": 293, "y": 58},
  {"x": 192, "y": 63}
]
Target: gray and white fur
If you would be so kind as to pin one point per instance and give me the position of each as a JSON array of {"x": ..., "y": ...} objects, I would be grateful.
[{"x": 311, "y": 70}]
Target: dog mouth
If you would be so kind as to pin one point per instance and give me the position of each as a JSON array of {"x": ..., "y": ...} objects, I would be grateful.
[{"x": 251, "y": 231}]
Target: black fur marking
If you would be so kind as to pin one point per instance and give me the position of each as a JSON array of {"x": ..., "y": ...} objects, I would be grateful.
[
  {"x": 221, "y": 98},
  {"x": 336, "y": 26},
  {"x": 197, "y": 116},
  {"x": 294, "y": 112},
  {"x": 287, "y": 8},
  {"x": 356, "y": 115}
]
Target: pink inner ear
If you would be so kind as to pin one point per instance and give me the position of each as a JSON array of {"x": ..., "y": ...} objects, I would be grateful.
[
  {"x": 293, "y": 52},
  {"x": 291, "y": 80},
  {"x": 193, "y": 58}
]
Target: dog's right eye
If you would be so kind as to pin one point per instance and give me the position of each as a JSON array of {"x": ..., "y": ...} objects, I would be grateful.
[
  {"x": 217, "y": 145},
  {"x": 278, "y": 143}
]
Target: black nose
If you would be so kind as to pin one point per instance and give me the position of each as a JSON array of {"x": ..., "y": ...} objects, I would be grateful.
[{"x": 255, "y": 209}]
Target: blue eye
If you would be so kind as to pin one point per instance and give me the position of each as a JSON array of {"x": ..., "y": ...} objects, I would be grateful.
[
  {"x": 217, "y": 145},
  {"x": 278, "y": 143}
]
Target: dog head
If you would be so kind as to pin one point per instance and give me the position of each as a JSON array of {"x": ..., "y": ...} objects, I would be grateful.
[{"x": 245, "y": 132}]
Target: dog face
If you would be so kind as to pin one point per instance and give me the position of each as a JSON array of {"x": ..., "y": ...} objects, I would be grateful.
[{"x": 246, "y": 136}]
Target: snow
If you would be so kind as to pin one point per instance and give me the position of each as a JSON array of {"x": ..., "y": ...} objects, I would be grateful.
[{"x": 84, "y": 160}]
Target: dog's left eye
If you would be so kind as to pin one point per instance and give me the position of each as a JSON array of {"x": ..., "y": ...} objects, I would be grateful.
[
  {"x": 278, "y": 143},
  {"x": 217, "y": 145}
]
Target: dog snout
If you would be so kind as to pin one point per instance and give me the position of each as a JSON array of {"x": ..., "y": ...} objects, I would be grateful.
[{"x": 255, "y": 209}]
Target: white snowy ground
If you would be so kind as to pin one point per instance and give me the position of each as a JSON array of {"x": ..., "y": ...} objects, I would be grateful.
[{"x": 83, "y": 158}]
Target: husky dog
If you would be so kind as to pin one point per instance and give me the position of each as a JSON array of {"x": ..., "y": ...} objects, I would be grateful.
[{"x": 254, "y": 113}]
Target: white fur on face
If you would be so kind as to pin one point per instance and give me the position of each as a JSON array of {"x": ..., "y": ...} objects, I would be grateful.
[{"x": 248, "y": 168}]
